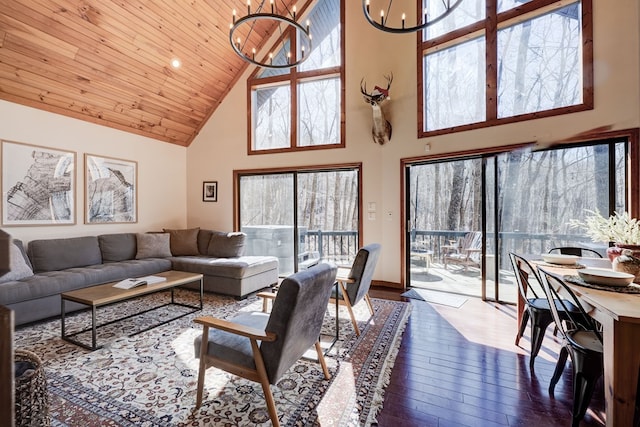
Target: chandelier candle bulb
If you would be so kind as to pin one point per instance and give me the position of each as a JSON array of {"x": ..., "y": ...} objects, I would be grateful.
[
  {"x": 367, "y": 5},
  {"x": 261, "y": 15},
  {"x": 381, "y": 17},
  {"x": 302, "y": 49},
  {"x": 403, "y": 18}
]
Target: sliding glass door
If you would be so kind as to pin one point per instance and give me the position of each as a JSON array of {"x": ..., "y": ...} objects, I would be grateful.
[
  {"x": 301, "y": 216},
  {"x": 519, "y": 201},
  {"x": 444, "y": 206}
]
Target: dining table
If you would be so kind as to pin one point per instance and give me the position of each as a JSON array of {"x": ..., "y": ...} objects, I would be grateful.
[{"x": 619, "y": 315}]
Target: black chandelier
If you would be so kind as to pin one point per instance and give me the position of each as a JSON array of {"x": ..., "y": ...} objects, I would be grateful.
[
  {"x": 427, "y": 17},
  {"x": 287, "y": 17}
]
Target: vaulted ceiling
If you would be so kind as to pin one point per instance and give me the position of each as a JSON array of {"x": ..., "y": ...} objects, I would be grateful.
[{"x": 109, "y": 61}]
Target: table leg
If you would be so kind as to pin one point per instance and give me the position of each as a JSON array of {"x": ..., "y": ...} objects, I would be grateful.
[
  {"x": 337, "y": 309},
  {"x": 62, "y": 316},
  {"x": 201, "y": 293},
  {"x": 94, "y": 340},
  {"x": 621, "y": 365}
]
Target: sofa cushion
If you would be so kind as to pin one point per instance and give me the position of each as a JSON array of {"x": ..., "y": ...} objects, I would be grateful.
[
  {"x": 226, "y": 245},
  {"x": 233, "y": 268},
  {"x": 183, "y": 242},
  {"x": 60, "y": 254},
  {"x": 19, "y": 267},
  {"x": 153, "y": 245},
  {"x": 204, "y": 236},
  {"x": 118, "y": 247}
]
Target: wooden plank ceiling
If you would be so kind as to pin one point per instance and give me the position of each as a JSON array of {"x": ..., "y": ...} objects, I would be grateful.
[{"x": 109, "y": 61}]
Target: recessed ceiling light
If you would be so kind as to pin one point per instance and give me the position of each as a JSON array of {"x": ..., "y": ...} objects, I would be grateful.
[{"x": 175, "y": 63}]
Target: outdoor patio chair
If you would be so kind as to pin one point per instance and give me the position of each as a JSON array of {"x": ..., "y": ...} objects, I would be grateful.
[
  {"x": 468, "y": 253},
  {"x": 355, "y": 287},
  {"x": 571, "y": 250},
  {"x": 536, "y": 307},
  {"x": 581, "y": 341},
  {"x": 261, "y": 347}
]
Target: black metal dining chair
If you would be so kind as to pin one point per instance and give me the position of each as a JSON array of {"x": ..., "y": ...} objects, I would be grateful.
[
  {"x": 537, "y": 306},
  {"x": 582, "y": 341},
  {"x": 574, "y": 250}
]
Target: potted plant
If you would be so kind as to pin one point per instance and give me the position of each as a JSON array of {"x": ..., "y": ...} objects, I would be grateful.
[{"x": 618, "y": 228}]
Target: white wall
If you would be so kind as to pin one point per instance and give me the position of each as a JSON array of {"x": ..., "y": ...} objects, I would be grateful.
[
  {"x": 221, "y": 146},
  {"x": 161, "y": 169}
]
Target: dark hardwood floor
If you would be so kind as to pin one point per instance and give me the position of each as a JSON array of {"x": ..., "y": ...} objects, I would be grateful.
[{"x": 460, "y": 367}]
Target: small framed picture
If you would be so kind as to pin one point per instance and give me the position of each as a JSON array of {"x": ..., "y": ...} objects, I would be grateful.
[{"x": 210, "y": 191}]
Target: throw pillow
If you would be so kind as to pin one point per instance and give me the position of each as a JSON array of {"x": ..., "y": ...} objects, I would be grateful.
[
  {"x": 153, "y": 245},
  {"x": 19, "y": 268},
  {"x": 226, "y": 245},
  {"x": 183, "y": 242}
]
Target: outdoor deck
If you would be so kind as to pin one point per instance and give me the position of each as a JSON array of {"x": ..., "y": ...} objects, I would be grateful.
[{"x": 456, "y": 280}]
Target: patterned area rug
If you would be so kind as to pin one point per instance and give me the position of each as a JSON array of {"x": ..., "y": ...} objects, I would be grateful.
[{"x": 150, "y": 379}]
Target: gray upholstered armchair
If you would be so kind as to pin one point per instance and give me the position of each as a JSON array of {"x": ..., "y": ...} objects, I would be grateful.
[
  {"x": 261, "y": 347},
  {"x": 355, "y": 286}
]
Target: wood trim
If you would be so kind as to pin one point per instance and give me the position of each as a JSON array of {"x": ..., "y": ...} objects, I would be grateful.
[
  {"x": 386, "y": 284},
  {"x": 289, "y": 169},
  {"x": 587, "y": 54},
  {"x": 462, "y": 153},
  {"x": 491, "y": 71}
]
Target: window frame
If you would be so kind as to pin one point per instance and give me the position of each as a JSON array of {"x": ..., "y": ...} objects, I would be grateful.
[
  {"x": 489, "y": 27},
  {"x": 294, "y": 77}
]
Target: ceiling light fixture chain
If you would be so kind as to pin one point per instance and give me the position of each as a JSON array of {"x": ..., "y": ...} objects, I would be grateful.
[
  {"x": 427, "y": 19},
  {"x": 288, "y": 18}
]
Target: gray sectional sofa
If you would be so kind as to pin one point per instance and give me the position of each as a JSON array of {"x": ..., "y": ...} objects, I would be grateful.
[{"x": 50, "y": 267}]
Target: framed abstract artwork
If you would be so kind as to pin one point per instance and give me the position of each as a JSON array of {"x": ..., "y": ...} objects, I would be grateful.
[
  {"x": 38, "y": 185},
  {"x": 210, "y": 191},
  {"x": 111, "y": 187}
]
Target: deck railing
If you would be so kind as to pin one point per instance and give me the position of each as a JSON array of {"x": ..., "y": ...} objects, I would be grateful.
[
  {"x": 338, "y": 246},
  {"x": 525, "y": 243},
  {"x": 342, "y": 246}
]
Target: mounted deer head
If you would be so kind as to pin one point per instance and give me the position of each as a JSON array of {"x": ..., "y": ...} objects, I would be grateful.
[{"x": 381, "y": 130}]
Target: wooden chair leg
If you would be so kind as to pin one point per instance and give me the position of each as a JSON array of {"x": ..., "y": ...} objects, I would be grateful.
[
  {"x": 203, "y": 365},
  {"x": 347, "y": 303},
  {"x": 323, "y": 362},
  {"x": 264, "y": 382},
  {"x": 368, "y": 300}
]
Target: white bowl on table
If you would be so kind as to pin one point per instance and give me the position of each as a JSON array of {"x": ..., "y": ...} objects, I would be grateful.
[
  {"x": 560, "y": 259},
  {"x": 601, "y": 276}
]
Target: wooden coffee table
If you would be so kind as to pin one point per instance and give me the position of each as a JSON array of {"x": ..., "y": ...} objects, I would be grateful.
[{"x": 101, "y": 295}]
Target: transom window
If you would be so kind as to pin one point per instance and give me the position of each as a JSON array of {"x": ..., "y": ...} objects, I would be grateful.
[
  {"x": 528, "y": 59},
  {"x": 302, "y": 107}
]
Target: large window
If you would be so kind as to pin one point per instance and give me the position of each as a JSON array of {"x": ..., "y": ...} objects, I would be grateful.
[
  {"x": 302, "y": 107},
  {"x": 301, "y": 216},
  {"x": 525, "y": 60},
  {"x": 521, "y": 201}
]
